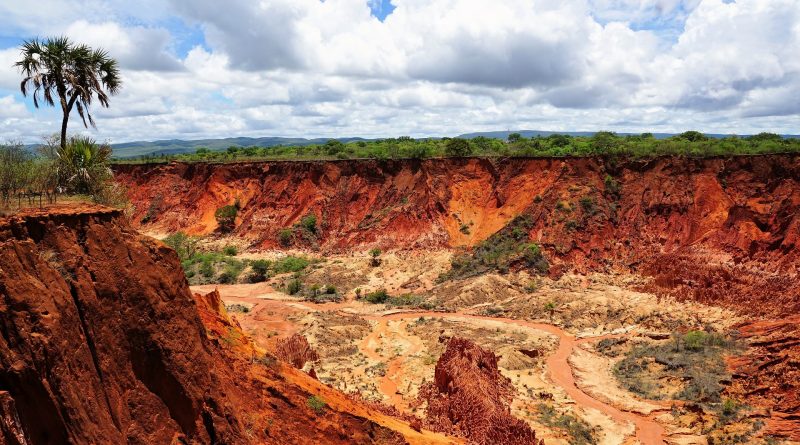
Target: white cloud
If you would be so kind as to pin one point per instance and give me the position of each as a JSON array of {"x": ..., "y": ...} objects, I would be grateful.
[
  {"x": 135, "y": 47},
  {"x": 9, "y": 107},
  {"x": 314, "y": 68}
]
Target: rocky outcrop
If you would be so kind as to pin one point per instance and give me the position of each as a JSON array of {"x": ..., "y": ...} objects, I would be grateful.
[
  {"x": 102, "y": 342},
  {"x": 470, "y": 398},
  {"x": 768, "y": 375},
  {"x": 295, "y": 351}
]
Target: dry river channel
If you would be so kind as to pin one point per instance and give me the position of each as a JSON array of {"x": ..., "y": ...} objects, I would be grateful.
[{"x": 648, "y": 431}]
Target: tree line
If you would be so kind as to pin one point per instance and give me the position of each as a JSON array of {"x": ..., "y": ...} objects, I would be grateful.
[
  {"x": 80, "y": 167},
  {"x": 604, "y": 143}
]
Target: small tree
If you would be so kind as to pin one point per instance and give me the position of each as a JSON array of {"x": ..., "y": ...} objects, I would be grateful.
[
  {"x": 550, "y": 307},
  {"x": 226, "y": 217},
  {"x": 375, "y": 253},
  {"x": 457, "y": 147},
  {"x": 514, "y": 137},
  {"x": 309, "y": 222},
  {"x": 285, "y": 237}
]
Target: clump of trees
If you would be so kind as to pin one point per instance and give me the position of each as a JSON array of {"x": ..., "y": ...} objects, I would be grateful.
[
  {"x": 81, "y": 167},
  {"x": 603, "y": 143}
]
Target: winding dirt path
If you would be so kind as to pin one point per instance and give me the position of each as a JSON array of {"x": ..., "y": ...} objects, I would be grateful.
[{"x": 648, "y": 431}]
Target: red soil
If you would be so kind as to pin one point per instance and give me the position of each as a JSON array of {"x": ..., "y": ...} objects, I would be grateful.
[
  {"x": 103, "y": 343},
  {"x": 689, "y": 222},
  {"x": 723, "y": 231}
]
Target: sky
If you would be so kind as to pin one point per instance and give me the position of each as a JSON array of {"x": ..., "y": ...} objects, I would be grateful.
[{"x": 197, "y": 69}]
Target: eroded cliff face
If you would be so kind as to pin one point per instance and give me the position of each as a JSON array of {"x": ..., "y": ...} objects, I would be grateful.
[
  {"x": 722, "y": 231},
  {"x": 102, "y": 342}
]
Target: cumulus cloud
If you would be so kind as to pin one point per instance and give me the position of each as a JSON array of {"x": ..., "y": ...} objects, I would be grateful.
[
  {"x": 331, "y": 68},
  {"x": 135, "y": 47}
]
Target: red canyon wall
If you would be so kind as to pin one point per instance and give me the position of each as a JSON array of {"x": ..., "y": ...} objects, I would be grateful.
[
  {"x": 102, "y": 342},
  {"x": 723, "y": 231}
]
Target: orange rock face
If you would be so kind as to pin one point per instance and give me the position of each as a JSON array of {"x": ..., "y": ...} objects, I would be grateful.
[
  {"x": 769, "y": 375},
  {"x": 469, "y": 397},
  {"x": 102, "y": 342},
  {"x": 722, "y": 231},
  {"x": 295, "y": 351}
]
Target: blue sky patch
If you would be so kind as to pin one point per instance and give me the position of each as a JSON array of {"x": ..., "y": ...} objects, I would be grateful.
[{"x": 381, "y": 8}]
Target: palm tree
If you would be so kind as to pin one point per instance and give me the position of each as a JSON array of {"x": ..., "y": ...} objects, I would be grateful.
[{"x": 73, "y": 74}]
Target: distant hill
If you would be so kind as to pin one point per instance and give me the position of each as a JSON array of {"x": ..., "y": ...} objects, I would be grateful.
[{"x": 178, "y": 146}]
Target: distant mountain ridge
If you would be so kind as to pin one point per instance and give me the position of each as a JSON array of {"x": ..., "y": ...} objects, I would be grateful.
[{"x": 179, "y": 146}]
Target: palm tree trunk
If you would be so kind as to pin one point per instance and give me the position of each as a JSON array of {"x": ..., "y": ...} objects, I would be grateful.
[
  {"x": 64, "y": 121},
  {"x": 66, "y": 107}
]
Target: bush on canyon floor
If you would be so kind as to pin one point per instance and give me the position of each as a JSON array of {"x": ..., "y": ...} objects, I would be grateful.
[
  {"x": 688, "y": 367},
  {"x": 378, "y": 297},
  {"x": 375, "y": 261},
  {"x": 260, "y": 271},
  {"x": 290, "y": 264},
  {"x": 294, "y": 286},
  {"x": 501, "y": 251},
  {"x": 580, "y": 432},
  {"x": 207, "y": 267}
]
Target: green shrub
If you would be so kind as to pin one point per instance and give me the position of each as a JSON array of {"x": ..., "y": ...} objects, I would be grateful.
[
  {"x": 237, "y": 308},
  {"x": 230, "y": 250},
  {"x": 375, "y": 261},
  {"x": 290, "y": 264},
  {"x": 231, "y": 273},
  {"x": 612, "y": 186},
  {"x": 309, "y": 223},
  {"x": 405, "y": 300},
  {"x": 226, "y": 217},
  {"x": 294, "y": 287},
  {"x": 317, "y": 404},
  {"x": 695, "y": 358},
  {"x": 206, "y": 269},
  {"x": 506, "y": 247},
  {"x": 580, "y": 432},
  {"x": 377, "y": 297},
  {"x": 285, "y": 237},
  {"x": 588, "y": 205},
  {"x": 184, "y": 245},
  {"x": 457, "y": 147},
  {"x": 260, "y": 267},
  {"x": 694, "y": 340}
]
